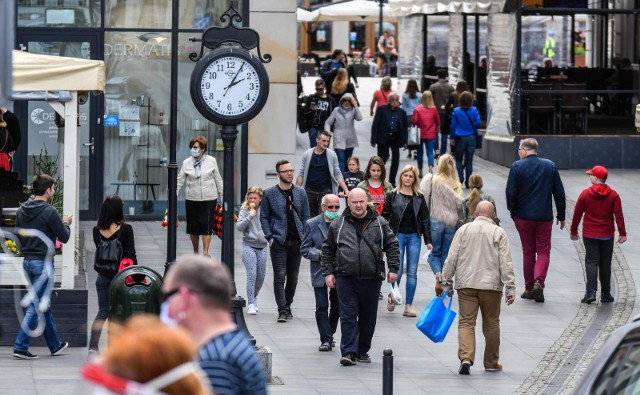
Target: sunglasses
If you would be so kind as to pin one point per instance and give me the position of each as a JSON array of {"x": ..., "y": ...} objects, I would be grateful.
[{"x": 333, "y": 207}]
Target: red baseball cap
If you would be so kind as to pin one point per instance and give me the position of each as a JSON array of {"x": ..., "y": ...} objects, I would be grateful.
[{"x": 598, "y": 171}]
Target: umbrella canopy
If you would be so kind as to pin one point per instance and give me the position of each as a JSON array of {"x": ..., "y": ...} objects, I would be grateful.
[
  {"x": 354, "y": 11},
  {"x": 305, "y": 16},
  {"x": 33, "y": 72}
]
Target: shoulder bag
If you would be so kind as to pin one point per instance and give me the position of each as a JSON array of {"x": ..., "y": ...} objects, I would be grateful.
[
  {"x": 379, "y": 261},
  {"x": 475, "y": 131}
]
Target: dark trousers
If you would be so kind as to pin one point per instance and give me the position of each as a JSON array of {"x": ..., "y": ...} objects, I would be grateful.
[
  {"x": 315, "y": 198},
  {"x": 327, "y": 312},
  {"x": 597, "y": 258},
  {"x": 358, "y": 313},
  {"x": 285, "y": 259},
  {"x": 102, "y": 289},
  {"x": 383, "y": 152}
]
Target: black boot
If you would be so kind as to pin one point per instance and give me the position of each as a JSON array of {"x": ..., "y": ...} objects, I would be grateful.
[{"x": 589, "y": 297}]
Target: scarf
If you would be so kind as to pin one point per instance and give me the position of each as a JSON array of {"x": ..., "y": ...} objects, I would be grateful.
[{"x": 197, "y": 165}]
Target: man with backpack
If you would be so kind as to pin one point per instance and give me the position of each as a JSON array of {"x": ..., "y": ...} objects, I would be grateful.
[
  {"x": 316, "y": 111},
  {"x": 37, "y": 214}
]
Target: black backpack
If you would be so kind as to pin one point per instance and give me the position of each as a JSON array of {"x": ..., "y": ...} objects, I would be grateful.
[
  {"x": 304, "y": 117},
  {"x": 108, "y": 256}
]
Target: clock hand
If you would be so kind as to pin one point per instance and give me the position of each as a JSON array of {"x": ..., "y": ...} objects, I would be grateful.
[
  {"x": 236, "y": 83},
  {"x": 233, "y": 81}
]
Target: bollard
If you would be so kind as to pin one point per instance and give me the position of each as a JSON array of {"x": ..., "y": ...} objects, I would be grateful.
[{"x": 387, "y": 372}]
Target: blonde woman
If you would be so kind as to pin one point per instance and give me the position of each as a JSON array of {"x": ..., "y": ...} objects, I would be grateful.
[
  {"x": 254, "y": 246},
  {"x": 426, "y": 117},
  {"x": 341, "y": 85},
  {"x": 476, "y": 196},
  {"x": 406, "y": 210},
  {"x": 380, "y": 96},
  {"x": 443, "y": 193}
]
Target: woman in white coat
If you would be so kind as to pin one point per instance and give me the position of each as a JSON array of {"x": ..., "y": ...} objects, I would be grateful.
[
  {"x": 204, "y": 186},
  {"x": 343, "y": 120}
]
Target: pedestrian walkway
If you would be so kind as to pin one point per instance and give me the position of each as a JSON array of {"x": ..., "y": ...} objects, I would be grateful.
[{"x": 541, "y": 344}]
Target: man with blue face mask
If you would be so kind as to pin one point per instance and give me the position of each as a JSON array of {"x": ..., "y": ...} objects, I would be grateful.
[{"x": 315, "y": 231}]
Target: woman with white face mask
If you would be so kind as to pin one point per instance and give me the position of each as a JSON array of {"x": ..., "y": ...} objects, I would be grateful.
[{"x": 204, "y": 186}]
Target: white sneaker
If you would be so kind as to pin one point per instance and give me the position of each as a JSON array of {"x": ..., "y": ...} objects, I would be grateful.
[
  {"x": 256, "y": 306},
  {"x": 251, "y": 310}
]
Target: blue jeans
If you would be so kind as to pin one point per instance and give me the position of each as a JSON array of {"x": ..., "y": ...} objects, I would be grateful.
[
  {"x": 429, "y": 146},
  {"x": 441, "y": 237},
  {"x": 42, "y": 281},
  {"x": 409, "y": 244},
  {"x": 313, "y": 134},
  {"x": 327, "y": 312},
  {"x": 465, "y": 149},
  {"x": 343, "y": 155}
]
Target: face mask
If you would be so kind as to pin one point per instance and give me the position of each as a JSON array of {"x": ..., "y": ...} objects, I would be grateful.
[
  {"x": 164, "y": 315},
  {"x": 331, "y": 215},
  {"x": 346, "y": 104},
  {"x": 195, "y": 152}
]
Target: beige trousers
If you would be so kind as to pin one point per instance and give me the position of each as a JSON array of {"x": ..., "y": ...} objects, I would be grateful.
[{"x": 469, "y": 301}]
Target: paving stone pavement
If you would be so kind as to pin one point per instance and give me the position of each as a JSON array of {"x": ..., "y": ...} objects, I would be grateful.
[{"x": 537, "y": 340}]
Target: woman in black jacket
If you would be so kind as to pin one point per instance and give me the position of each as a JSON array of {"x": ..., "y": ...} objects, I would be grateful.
[
  {"x": 110, "y": 226},
  {"x": 406, "y": 210}
]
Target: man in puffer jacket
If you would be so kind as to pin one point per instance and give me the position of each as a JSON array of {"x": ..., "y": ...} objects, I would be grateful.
[
  {"x": 352, "y": 263},
  {"x": 531, "y": 184}
]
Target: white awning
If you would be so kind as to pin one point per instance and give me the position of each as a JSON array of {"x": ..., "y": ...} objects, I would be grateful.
[
  {"x": 354, "y": 11},
  {"x": 56, "y": 73},
  {"x": 409, "y": 7}
]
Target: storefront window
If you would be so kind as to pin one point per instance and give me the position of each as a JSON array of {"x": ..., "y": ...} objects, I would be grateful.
[
  {"x": 321, "y": 37},
  {"x": 58, "y": 13}
]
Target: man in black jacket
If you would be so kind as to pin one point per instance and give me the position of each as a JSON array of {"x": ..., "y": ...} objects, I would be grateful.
[
  {"x": 38, "y": 214},
  {"x": 352, "y": 263},
  {"x": 317, "y": 110},
  {"x": 389, "y": 131}
]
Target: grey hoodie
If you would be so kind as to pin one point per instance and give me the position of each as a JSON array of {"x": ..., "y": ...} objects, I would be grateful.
[
  {"x": 40, "y": 215},
  {"x": 252, "y": 234}
]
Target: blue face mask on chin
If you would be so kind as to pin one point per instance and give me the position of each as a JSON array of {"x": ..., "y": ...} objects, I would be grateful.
[{"x": 331, "y": 215}]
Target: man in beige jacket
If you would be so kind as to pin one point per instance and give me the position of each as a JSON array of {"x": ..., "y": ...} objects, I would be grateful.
[{"x": 480, "y": 261}]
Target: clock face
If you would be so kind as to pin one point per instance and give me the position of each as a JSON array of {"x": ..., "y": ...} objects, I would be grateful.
[{"x": 229, "y": 86}]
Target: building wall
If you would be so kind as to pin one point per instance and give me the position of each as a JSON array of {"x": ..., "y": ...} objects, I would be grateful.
[{"x": 272, "y": 135}]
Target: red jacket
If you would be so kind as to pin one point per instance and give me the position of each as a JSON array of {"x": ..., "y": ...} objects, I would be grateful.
[
  {"x": 599, "y": 204},
  {"x": 428, "y": 120}
]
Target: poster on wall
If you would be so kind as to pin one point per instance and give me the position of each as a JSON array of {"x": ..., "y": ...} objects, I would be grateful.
[
  {"x": 129, "y": 112},
  {"x": 43, "y": 132},
  {"x": 129, "y": 128}
]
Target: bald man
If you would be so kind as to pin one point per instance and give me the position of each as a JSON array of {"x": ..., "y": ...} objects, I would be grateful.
[
  {"x": 352, "y": 263},
  {"x": 480, "y": 260}
]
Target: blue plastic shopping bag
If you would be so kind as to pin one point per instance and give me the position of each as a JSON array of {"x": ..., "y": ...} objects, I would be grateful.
[{"x": 436, "y": 319}]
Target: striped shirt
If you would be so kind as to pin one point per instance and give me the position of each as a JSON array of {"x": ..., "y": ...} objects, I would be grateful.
[{"x": 232, "y": 365}]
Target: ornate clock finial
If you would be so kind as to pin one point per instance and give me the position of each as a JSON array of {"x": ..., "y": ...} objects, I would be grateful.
[{"x": 214, "y": 37}]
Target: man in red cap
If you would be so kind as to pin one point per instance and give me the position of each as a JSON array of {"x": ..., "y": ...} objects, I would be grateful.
[{"x": 599, "y": 204}]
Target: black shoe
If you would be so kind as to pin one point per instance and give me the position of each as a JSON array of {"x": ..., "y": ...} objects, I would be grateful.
[
  {"x": 538, "y": 293},
  {"x": 282, "y": 317},
  {"x": 63, "y": 345},
  {"x": 527, "y": 295},
  {"x": 289, "y": 315},
  {"x": 589, "y": 297},
  {"x": 348, "y": 360},
  {"x": 606, "y": 298},
  {"x": 333, "y": 343},
  {"x": 325, "y": 346},
  {"x": 380, "y": 296},
  {"x": 24, "y": 355},
  {"x": 364, "y": 357},
  {"x": 465, "y": 367}
]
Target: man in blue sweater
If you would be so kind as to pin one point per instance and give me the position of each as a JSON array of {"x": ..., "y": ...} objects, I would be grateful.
[
  {"x": 283, "y": 213},
  {"x": 531, "y": 184}
]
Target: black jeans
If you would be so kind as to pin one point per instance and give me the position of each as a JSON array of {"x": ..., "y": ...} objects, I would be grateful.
[
  {"x": 315, "y": 198},
  {"x": 285, "y": 259},
  {"x": 597, "y": 258},
  {"x": 102, "y": 289},
  {"x": 383, "y": 152},
  {"x": 358, "y": 313},
  {"x": 327, "y": 323}
]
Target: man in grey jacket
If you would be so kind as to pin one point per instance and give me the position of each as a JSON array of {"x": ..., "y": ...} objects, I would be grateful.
[
  {"x": 319, "y": 172},
  {"x": 480, "y": 260},
  {"x": 283, "y": 213},
  {"x": 352, "y": 263},
  {"x": 315, "y": 232}
]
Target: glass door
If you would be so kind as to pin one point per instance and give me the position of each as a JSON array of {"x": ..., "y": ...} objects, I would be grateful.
[{"x": 42, "y": 134}]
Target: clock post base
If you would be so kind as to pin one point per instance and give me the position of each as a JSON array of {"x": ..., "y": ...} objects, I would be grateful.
[{"x": 237, "y": 305}]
